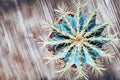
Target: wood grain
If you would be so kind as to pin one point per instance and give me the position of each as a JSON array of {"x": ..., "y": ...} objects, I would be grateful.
[{"x": 21, "y": 31}]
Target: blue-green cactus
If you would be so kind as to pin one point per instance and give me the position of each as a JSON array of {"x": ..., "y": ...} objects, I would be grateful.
[{"x": 78, "y": 41}]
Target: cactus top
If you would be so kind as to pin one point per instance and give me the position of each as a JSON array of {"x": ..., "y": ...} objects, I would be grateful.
[{"x": 78, "y": 41}]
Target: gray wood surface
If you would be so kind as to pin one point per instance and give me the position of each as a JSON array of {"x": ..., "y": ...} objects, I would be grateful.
[{"x": 21, "y": 31}]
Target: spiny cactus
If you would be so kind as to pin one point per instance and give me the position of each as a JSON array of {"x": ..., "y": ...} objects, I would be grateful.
[{"x": 78, "y": 41}]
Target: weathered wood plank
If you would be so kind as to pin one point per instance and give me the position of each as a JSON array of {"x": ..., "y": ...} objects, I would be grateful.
[{"x": 21, "y": 55}]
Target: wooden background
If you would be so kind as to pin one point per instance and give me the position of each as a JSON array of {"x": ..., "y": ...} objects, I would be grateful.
[{"x": 21, "y": 30}]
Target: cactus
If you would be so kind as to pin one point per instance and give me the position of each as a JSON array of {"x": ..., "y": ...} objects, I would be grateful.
[{"x": 78, "y": 41}]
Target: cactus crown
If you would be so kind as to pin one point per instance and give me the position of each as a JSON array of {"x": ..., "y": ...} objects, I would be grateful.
[{"x": 78, "y": 41}]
